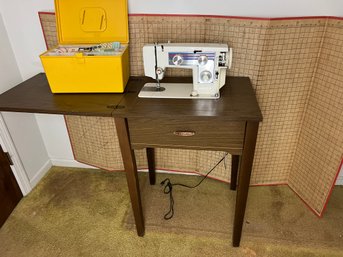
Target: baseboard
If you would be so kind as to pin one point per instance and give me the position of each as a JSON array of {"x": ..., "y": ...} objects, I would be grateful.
[
  {"x": 76, "y": 164},
  {"x": 40, "y": 174},
  {"x": 70, "y": 163},
  {"x": 339, "y": 180}
]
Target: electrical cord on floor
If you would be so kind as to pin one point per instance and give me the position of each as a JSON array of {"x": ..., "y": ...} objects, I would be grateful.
[{"x": 168, "y": 189}]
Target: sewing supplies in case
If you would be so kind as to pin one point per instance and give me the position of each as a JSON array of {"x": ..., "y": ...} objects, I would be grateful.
[
  {"x": 93, "y": 54},
  {"x": 112, "y": 49}
]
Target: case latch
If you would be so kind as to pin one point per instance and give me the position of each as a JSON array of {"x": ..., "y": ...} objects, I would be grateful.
[{"x": 79, "y": 57}]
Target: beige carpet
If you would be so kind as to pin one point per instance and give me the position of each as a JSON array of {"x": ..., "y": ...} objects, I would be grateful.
[
  {"x": 79, "y": 212},
  {"x": 273, "y": 213}
]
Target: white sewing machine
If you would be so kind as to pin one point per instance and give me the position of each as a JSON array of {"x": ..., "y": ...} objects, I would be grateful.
[{"x": 208, "y": 62}]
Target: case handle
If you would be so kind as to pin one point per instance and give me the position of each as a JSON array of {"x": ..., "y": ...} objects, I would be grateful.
[{"x": 93, "y": 19}]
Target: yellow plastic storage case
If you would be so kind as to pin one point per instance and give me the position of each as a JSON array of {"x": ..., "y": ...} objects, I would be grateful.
[{"x": 89, "y": 22}]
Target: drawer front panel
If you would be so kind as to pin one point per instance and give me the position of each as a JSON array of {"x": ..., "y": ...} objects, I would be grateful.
[{"x": 200, "y": 134}]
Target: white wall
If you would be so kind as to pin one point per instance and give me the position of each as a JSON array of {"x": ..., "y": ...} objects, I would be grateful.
[
  {"x": 22, "y": 23},
  {"x": 29, "y": 144},
  {"x": 24, "y": 31},
  {"x": 340, "y": 177},
  {"x": 9, "y": 72},
  {"x": 23, "y": 128},
  {"x": 25, "y": 34},
  {"x": 251, "y": 8}
]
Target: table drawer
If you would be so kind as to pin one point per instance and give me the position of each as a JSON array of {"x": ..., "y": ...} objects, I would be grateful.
[{"x": 186, "y": 133}]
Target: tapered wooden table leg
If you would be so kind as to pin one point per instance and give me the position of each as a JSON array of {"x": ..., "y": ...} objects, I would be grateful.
[
  {"x": 244, "y": 180},
  {"x": 234, "y": 171},
  {"x": 150, "y": 152},
  {"x": 131, "y": 173}
]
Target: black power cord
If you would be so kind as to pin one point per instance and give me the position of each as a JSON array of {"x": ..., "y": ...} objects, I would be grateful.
[{"x": 168, "y": 189}]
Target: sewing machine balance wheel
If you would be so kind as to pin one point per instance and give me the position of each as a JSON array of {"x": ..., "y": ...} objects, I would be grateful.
[{"x": 205, "y": 76}]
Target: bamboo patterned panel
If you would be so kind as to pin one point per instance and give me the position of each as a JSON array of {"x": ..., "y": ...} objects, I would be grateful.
[
  {"x": 245, "y": 37},
  {"x": 320, "y": 144},
  {"x": 285, "y": 60},
  {"x": 284, "y": 80},
  {"x": 94, "y": 141},
  {"x": 48, "y": 23}
]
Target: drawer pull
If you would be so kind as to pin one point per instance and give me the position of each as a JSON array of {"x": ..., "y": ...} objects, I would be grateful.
[{"x": 184, "y": 133}]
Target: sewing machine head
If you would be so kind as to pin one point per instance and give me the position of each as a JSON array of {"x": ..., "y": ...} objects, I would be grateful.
[{"x": 207, "y": 61}]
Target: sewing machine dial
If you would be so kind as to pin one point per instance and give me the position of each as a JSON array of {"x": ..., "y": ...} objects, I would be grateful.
[
  {"x": 204, "y": 63},
  {"x": 202, "y": 60},
  {"x": 177, "y": 59},
  {"x": 205, "y": 76}
]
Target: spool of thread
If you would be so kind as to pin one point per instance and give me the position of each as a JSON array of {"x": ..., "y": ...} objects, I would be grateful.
[{"x": 110, "y": 45}]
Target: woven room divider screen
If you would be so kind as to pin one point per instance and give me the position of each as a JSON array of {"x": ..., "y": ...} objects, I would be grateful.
[{"x": 295, "y": 65}]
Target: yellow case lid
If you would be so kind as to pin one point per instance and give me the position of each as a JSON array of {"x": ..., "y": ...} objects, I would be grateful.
[{"x": 92, "y": 21}]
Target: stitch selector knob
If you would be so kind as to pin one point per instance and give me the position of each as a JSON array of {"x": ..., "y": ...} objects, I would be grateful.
[
  {"x": 177, "y": 59},
  {"x": 202, "y": 60}
]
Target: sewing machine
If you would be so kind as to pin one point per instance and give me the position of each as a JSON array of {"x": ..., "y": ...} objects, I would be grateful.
[{"x": 207, "y": 61}]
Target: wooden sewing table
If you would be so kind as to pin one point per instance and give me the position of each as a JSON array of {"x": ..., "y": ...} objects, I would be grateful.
[{"x": 228, "y": 124}]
